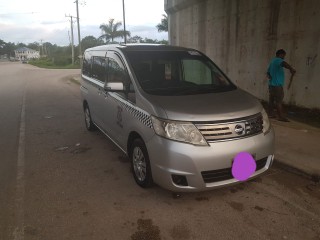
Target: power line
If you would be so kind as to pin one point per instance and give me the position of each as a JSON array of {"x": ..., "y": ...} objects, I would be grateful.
[{"x": 17, "y": 13}]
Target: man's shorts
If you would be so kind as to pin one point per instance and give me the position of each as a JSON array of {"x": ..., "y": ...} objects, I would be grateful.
[{"x": 276, "y": 94}]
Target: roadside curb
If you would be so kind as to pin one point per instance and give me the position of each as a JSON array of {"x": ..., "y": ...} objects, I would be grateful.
[
  {"x": 76, "y": 79},
  {"x": 313, "y": 177},
  {"x": 296, "y": 147}
]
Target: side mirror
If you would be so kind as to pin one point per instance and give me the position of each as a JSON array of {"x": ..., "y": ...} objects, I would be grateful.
[{"x": 114, "y": 86}]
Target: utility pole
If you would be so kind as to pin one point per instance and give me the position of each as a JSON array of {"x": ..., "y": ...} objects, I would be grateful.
[
  {"x": 45, "y": 49},
  {"x": 80, "y": 50},
  {"x": 72, "y": 42},
  {"x": 41, "y": 48},
  {"x": 124, "y": 23}
]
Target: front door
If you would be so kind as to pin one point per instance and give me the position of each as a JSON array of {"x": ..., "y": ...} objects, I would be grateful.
[{"x": 115, "y": 102}]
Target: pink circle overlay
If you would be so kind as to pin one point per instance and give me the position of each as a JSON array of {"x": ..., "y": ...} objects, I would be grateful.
[{"x": 243, "y": 166}]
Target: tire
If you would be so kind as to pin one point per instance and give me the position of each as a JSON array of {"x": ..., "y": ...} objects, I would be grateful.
[
  {"x": 88, "y": 120},
  {"x": 140, "y": 164}
]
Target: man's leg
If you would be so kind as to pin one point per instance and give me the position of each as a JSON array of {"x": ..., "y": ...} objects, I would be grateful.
[
  {"x": 271, "y": 102},
  {"x": 279, "y": 100}
]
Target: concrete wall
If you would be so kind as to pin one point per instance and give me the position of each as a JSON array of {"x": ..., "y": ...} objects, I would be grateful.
[{"x": 241, "y": 36}]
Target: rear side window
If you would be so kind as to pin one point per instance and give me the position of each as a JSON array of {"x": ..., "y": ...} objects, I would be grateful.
[
  {"x": 86, "y": 65},
  {"x": 99, "y": 68}
]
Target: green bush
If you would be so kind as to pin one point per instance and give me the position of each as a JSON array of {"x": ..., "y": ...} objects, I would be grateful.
[
  {"x": 56, "y": 62},
  {"x": 62, "y": 60},
  {"x": 42, "y": 62}
]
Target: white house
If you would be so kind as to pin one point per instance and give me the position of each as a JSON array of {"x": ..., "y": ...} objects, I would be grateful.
[{"x": 25, "y": 53}]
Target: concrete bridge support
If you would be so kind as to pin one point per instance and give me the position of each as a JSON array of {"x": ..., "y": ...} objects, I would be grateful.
[{"x": 241, "y": 36}]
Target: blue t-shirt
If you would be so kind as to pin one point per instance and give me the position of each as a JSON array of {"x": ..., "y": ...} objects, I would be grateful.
[{"x": 276, "y": 72}]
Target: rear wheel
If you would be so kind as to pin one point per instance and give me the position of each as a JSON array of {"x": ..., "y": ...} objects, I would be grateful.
[
  {"x": 140, "y": 164},
  {"x": 88, "y": 120}
]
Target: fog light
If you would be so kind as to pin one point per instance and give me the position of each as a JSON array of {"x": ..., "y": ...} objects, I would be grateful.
[{"x": 180, "y": 180}]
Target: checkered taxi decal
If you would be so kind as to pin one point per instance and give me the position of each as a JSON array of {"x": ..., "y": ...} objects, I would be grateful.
[{"x": 136, "y": 112}]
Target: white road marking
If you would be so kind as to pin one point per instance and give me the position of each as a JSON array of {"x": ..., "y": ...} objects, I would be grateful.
[{"x": 18, "y": 233}]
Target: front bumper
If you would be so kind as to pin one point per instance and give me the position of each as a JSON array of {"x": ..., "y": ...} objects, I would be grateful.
[{"x": 170, "y": 158}]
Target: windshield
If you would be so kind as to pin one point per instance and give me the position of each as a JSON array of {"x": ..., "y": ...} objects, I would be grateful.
[{"x": 177, "y": 73}]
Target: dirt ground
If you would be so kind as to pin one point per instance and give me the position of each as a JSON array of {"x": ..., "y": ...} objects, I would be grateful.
[{"x": 300, "y": 114}]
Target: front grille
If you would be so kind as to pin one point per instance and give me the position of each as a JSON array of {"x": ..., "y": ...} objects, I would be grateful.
[
  {"x": 235, "y": 129},
  {"x": 225, "y": 173}
]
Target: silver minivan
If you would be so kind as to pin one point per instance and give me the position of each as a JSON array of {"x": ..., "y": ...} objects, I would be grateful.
[{"x": 176, "y": 115}]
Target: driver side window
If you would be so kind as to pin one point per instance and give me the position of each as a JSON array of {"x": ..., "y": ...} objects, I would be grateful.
[{"x": 118, "y": 73}]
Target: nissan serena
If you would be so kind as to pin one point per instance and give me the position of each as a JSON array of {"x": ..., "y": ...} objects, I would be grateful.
[{"x": 176, "y": 115}]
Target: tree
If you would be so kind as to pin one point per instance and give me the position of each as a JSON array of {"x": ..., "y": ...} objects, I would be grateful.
[
  {"x": 165, "y": 42},
  {"x": 19, "y": 45},
  {"x": 149, "y": 40},
  {"x": 2, "y": 46},
  {"x": 163, "y": 26},
  {"x": 48, "y": 48},
  {"x": 111, "y": 31},
  {"x": 138, "y": 39},
  {"x": 135, "y": 39},
  {"x": 34, "y": 46},
  {"x": 7, "y": 48},
  {"x": 90, "y": 41},
  {"x": 2, "y": 43}
]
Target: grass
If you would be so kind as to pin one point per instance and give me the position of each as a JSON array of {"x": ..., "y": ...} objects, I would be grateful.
[{"x": 47, "y": 63}]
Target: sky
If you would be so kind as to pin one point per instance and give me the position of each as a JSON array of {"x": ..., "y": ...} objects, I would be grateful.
[{"x": 31, "y": 21}]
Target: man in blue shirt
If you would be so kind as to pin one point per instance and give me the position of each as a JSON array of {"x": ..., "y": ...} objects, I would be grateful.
[{"x": 276, "y": 82}]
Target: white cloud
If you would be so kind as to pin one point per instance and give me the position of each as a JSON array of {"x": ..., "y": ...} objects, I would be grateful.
[
  {"x": 33, "y": 20},
  {"x": 33, "y": 34}
]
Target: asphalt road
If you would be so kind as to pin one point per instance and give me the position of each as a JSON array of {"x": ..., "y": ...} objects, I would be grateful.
[{"x": 58, "y": 181}]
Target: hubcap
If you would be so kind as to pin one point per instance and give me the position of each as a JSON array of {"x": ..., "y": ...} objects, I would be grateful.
[{"x": 139, "y": 164}]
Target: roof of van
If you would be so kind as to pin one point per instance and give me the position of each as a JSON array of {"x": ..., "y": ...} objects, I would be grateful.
[{"x": 138, "y": 47}]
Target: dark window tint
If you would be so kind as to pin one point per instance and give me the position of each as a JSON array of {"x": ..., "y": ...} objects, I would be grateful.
[
  {"x": 177, "y": 73},
  {"x": 116, "y": 72},
  {"x": 86, "y": 65},
  {"x": 99, "y": 68}
]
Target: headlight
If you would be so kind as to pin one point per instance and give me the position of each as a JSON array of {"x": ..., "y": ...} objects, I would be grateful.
[
  {"x": 266, "y": 123},
  {"x": 179, "y": 131}
]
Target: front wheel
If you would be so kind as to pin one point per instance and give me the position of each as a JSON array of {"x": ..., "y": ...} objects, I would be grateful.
[
  {"x": 140, "y": 164},
  {"x": 87, "y": 119}
]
